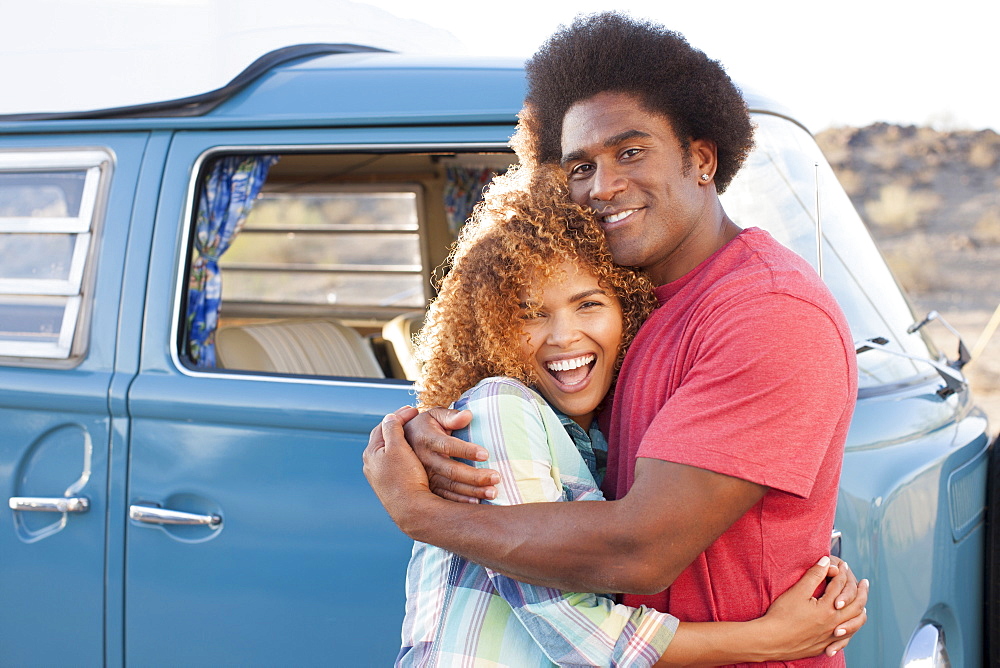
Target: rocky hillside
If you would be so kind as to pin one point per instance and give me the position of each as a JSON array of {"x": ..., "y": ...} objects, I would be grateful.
[{"x": 932, "y": 201}]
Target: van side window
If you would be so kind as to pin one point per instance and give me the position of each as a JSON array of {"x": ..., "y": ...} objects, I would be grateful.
[
  {"x": 355, "y": 248},
  {"x": 330, "y": 273},
  {"x": 48, "y": 206}
]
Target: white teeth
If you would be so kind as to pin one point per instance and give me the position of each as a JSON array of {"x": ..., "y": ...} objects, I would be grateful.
[
  {"x": 615, "y": 217},
  {"x": 566, "y": 365}
]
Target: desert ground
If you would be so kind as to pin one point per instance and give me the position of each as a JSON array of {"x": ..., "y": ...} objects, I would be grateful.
[{"x": 931, "y": 199}]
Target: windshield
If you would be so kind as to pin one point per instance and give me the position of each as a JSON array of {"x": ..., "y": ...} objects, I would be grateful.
[{"x": 777, "y": 190}]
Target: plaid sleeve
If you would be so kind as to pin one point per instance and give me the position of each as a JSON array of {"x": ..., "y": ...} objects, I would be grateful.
[{"x": 537, "y": 460}]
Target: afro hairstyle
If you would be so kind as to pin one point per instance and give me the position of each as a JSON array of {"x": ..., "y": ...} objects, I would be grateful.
[{"x": 613, "y": 52}]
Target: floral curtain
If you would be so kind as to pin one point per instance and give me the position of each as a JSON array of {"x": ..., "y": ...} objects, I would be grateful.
[
  {"x": 463, "y": 188},
  {"x": 227, "y": 195}
]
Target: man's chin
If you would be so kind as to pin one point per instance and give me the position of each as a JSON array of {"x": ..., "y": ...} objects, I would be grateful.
[{"x": 625, "y": 256}]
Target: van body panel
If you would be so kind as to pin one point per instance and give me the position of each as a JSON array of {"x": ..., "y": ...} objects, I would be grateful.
[
  {"x": 55, "y": 443},
  {"x": 914, "y": 506}
]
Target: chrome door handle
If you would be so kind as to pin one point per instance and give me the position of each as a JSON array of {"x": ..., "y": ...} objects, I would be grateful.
[
  {"x": 75, "y": 504},
  {"x": 154, "y": 515}
]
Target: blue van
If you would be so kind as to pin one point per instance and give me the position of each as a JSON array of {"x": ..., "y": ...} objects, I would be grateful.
[{"x": 206, "y": 304}]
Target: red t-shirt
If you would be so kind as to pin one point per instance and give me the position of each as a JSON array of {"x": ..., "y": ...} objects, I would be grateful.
[{"x": 748, "y": 369}]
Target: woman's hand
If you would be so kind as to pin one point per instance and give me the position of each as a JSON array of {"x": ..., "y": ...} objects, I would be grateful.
[
  {"x": 802, "y": 625},
  {"x": 796, "y": 626}
]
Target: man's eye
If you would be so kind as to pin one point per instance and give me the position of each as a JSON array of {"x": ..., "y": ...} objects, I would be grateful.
[
  {"x": 631, "y": 152},
  {"x": 581, "y": 170}
]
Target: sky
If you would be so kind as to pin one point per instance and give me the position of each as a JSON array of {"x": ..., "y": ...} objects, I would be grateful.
[{"x": 850, "y": 62}]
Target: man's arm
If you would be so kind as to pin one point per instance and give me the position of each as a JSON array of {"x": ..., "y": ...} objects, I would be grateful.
[{"x": 637, "y": 544}]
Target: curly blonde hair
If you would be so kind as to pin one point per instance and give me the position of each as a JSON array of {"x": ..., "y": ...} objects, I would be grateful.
[{"x": 525, "y": 227}]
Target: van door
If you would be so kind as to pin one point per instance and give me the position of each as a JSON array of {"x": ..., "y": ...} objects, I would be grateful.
[
  {"x": 65, "y": 207},
  {"x": 254, "y": 538}
]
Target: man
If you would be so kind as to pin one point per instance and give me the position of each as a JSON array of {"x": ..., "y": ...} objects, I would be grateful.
[{"x": 732, "y": 407}]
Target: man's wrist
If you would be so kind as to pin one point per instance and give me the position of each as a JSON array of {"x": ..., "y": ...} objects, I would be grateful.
[{"x": 415, "y": 512}]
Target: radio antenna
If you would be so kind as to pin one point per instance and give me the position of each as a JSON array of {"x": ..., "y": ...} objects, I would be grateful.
[{"x": 819, "y": 229}]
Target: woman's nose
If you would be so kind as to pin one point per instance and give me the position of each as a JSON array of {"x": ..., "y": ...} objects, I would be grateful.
[{"x": 563, "y": 331}]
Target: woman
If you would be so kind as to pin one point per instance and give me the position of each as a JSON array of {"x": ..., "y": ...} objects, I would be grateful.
[{"x": 529, "y": 328}]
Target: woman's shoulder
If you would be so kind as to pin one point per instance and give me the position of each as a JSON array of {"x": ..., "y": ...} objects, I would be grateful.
[{"x": 493, "y": 388}]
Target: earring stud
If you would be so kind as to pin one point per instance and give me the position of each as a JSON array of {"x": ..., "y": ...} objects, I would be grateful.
[{"x": 705, "y": 177}]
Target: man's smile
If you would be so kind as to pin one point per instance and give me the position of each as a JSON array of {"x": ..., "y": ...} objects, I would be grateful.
[
  {"x": 621, "y": 215},
  {"x": 617, "y": 218}
]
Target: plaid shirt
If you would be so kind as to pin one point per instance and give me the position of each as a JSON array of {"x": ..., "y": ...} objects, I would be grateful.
[{"x": 461, "y": 614}]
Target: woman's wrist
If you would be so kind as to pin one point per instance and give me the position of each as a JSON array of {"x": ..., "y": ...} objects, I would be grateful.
[
  {"x": 715, "y": 643},
  {"x": 760, "y": 635}
]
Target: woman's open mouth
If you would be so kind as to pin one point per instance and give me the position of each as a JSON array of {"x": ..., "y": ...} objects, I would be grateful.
[{"x": 572, "y": 372}]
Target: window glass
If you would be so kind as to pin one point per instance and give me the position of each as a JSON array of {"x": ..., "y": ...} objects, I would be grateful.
[
  {"x": 319, "y": 253},
  {"x": 329, "y": 288},
  {"x": 36, "y": 322},
  {"x": 341, "y": 246},
  {"x": 41, "y": 195},
  {"x": 383, "y": 210},
  {"x": 327, "y": 251},
  {"x": 785, "y": 181},
  {"x": 36, "y": 256},
  {"x": 47, "y": 206}
]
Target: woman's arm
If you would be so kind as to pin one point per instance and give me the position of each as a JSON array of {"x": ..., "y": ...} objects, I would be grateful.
[{"x": 797, "y": 625}]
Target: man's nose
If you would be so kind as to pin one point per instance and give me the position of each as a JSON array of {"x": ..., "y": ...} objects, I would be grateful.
[{"x": 607, "y": 183}]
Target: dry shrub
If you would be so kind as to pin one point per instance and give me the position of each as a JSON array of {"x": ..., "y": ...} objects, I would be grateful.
[
  {"x": 886, "y": 160},
  {"x": 912, "y": 261},
  {"x": 924, "y": 176},
  {"x": 898, "y": 208},
  {"x": 984, "y": 379},
  {"x": 987, "y": 228},
  {"x": 982, "y": 155},
  {"x": 834, "y": 144},
  {"x": 852, "y": 181}
]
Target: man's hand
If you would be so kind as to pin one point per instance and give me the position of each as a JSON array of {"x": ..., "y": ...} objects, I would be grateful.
[
  {"x": 392, "y": 469},
  {"x": 430, "y": 436}
]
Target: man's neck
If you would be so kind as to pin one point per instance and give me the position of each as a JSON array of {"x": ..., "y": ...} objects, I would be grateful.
[{"x": 696, "y": 250}]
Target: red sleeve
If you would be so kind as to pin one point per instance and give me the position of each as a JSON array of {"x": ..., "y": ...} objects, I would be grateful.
[{"x": 768, "y": 384}]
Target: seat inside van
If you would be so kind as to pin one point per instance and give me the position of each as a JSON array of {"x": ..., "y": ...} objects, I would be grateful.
[
  {"x": 399, "y": 332},
  {"x": 306, "y": 346}
]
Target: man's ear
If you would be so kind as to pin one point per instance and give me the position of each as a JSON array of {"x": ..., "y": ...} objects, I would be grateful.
[{"x": 704, "y": 158}]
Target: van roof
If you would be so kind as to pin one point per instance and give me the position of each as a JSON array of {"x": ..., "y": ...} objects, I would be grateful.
[{"x": 330, "y": 84}]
